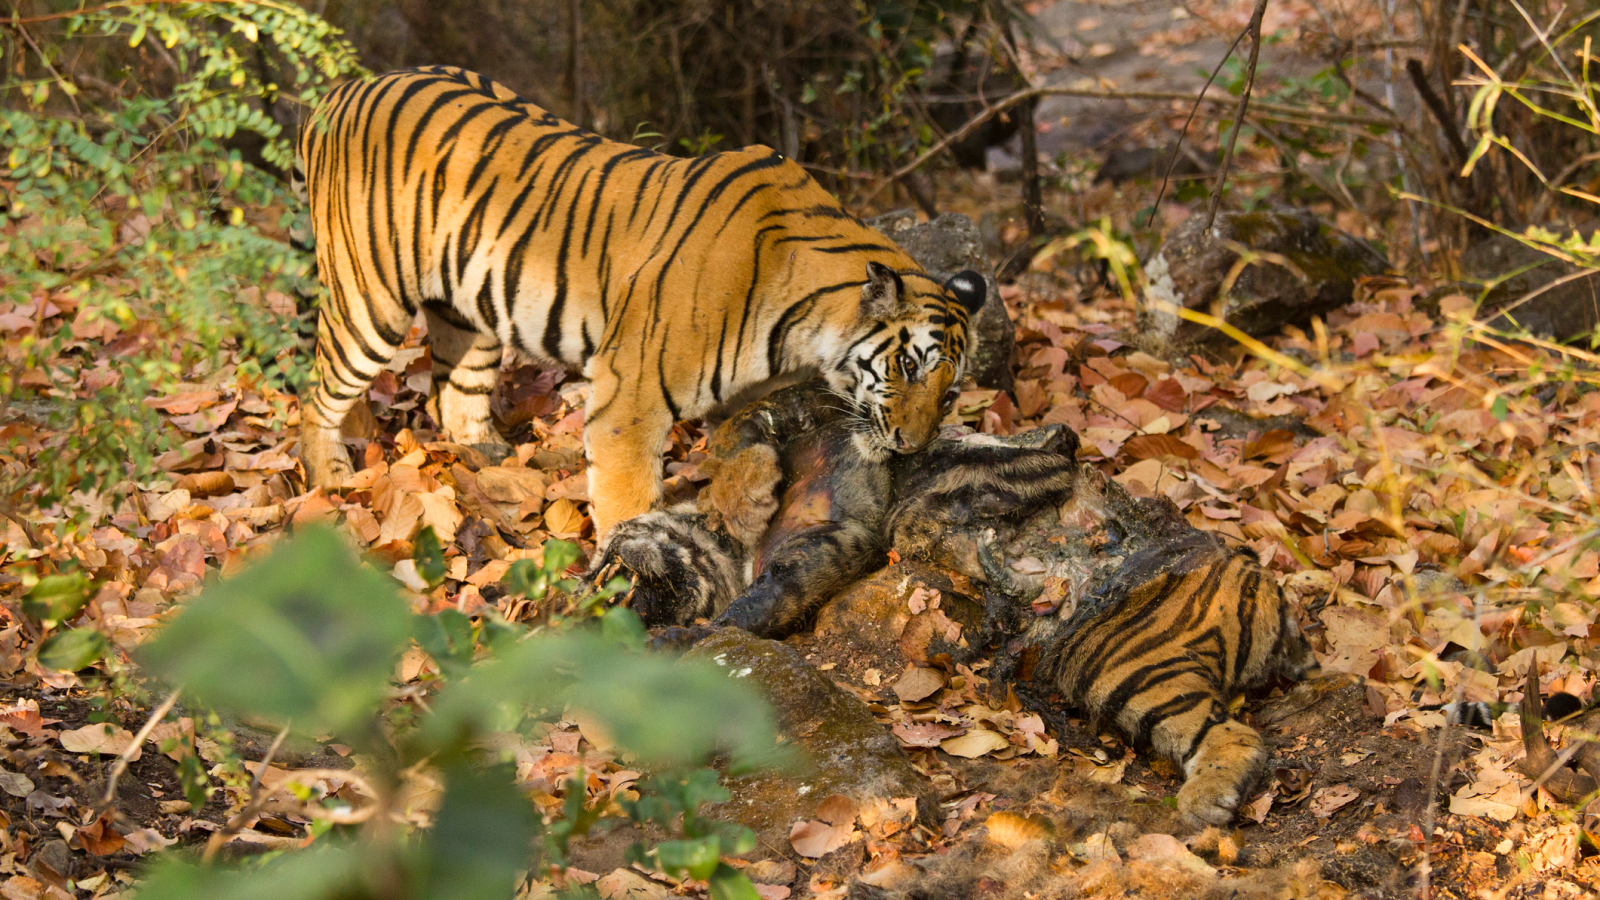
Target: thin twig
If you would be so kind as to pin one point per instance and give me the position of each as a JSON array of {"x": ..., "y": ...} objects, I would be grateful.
[
  {"x": 121, "y": 765},
  {"x": 1183, "y": 132},
  {"x": 1399, "y": 154},
  {"x": 1425, "y": 867},
  {"x": 251, "y": 808},
  {"x": 1431, "y": 99},
  {"x": 67, "y": 14},
  {"x": 1254, "y": 30},
  {"x": 1322, "y": 117},
  {"x": 17, "y": 27}
]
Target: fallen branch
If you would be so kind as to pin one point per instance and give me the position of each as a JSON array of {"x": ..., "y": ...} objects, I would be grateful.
[
  {"x": 1435, "y": 104},
  {"x": 1540, "y": 762}
]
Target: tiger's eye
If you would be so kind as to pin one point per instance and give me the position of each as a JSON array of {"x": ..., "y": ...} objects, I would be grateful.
[{"x": 908, "y": 366}]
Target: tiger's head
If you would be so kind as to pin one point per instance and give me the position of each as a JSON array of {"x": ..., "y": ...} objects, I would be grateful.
[{"x": 903, "y": 369}]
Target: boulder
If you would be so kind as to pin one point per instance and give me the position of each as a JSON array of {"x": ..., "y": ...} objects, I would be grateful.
[
  {"x": 948, "y": 245},
  {"x": 1528, "y": 298},
  {"x": 1193, "y": 263},
  {"x": 845, "y": 751}
]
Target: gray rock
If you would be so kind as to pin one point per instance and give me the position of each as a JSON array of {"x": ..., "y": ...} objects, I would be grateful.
[
  {"x": 846, "y": 751},
  {"x": 1558, "y": 311},
  {"x": 1192, "y": 264},
  {"x": 944, "y": 247}
]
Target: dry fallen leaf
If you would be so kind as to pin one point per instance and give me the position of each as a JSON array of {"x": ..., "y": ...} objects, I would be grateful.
[
  {"x": 837, "y": 810},
  {"x": 1256, "y": 810},
  {"x": 563, "y": 519},
  {"x": 928, "y": 734},
  {"x": 814, "y": 839},
  {"x": 917, "y": 683},
  {"x": 15, "y": 783},
  {"x": 625, "y": 884},
  {"x": 1329, "y": 800},
  {"x": 975, "y": 743},
  {"x": 98, "y": 837},
  {"x": 103, "y": 738}
]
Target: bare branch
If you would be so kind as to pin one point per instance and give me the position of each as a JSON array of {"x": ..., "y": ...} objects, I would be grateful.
[{"x": 1238, "y": 117}]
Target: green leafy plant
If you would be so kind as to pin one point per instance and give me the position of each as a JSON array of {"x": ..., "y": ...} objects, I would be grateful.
[
  {"x": 138, "y": 144},
  {"x": 309, "y": 637}
]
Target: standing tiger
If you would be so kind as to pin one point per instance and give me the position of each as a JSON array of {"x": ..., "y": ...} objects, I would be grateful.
[
  {"x": 675, "y": 285},
  {"x": 1115, "y": 604}
]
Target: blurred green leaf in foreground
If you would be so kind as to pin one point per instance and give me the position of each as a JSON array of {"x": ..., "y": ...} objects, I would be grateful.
[{"x": 309, "y": 637}]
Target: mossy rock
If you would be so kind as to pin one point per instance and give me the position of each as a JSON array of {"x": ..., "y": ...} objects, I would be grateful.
[
  {"x": 1194, "y": 262},
  {"x": 845, "y": 751}
]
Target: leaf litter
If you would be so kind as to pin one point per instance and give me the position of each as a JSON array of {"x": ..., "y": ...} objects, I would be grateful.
[
  {"x": 1429, "y": 504},
  {"x": 1433, "y": 515}
]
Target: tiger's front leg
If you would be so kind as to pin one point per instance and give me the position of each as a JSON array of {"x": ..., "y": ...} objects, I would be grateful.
[
  {"x": 1221, "y": 758},
  {"x": 806, "y": 571},
  {"x": 624, "y": 433}
]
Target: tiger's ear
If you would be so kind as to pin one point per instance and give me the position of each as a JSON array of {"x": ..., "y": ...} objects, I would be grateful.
[
  {"x": 882, "y": 292},
  {"x": 969, "y": 288}
]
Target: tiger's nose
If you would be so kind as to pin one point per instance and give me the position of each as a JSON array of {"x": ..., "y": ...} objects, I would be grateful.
[{"x": 903, "y": 442}]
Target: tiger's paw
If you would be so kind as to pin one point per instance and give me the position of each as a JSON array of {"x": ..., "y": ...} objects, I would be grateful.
[
  {"x": 325, "y": 458},
  {"x": 1221, "y": 774}
]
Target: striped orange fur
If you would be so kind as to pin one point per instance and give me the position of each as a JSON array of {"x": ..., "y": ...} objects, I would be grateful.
[{"x": 675, "y": 285}]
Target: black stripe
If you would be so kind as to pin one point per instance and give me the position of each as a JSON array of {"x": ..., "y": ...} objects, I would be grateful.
[
  {"x": 791, "y": 316},
  {"x": 419, "y": 126},
  {"x": 852, "y": 248},
  {"x": 489, "y": 151},
  {"x": 599, "y": 192},
  {"x": 1198, "y": 739},
  {"x": 558, "y": 305}
]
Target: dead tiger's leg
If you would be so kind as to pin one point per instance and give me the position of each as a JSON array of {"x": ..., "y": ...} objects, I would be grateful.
[
  {"x": 804, "y": 573},
  {"x": 356, "y": 338},
  {"x": 681, "y": 569},
  {"x": 466, "y": 365},
  {"x": 1187, "y": 722},
  {"x": 624, "y": 432}
]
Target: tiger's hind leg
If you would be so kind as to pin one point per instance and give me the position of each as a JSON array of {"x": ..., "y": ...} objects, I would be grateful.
[
  {"x": 466, "y": 366},
  {"x": 351, "y": 351}
]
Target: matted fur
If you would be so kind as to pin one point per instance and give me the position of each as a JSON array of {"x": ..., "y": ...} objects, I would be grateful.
[{"x": 674, "y": 284}]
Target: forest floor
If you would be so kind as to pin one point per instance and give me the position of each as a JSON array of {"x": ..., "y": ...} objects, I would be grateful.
[{"x": 1427, "y": 498}]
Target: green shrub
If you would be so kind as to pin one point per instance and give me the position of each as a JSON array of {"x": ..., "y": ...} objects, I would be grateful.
[
  {"x": 129, "y": 203},
  {"x": 309, "y": 637}
]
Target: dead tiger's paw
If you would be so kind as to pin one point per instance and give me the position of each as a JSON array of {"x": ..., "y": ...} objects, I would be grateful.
[
  {"x": 678, "y": 569},
  {"x": 1221, "y": 775},
  {"x": 1209, "y": 798}
]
